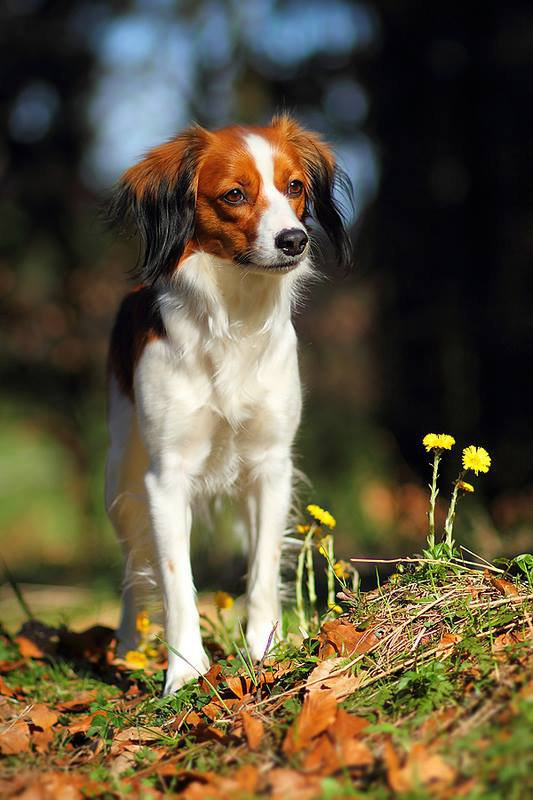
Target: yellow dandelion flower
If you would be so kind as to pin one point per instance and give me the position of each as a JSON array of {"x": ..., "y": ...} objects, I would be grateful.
[
  {"x": 342, "y": 569},
  {"x": 142, "y": 622},
  {"x": 438, "y": 441},
  {"x": 430, "y": 441},
  {"x": 334, "y": 607},
  {"x": 303, "y": 529},
  {"x": 322, "y": 516},
  {"x": 223, "y": 600},
  {"x": 464, "y": 486},
  {"x": 151, "y": 652},
  {"x": 476, "y": 458},
  {"x": 135, "y": 659},
  {"x": 445, "y": 441}
]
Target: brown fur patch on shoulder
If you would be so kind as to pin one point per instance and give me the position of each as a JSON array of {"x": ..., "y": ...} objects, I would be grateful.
[{"x": 138, "y": 322}]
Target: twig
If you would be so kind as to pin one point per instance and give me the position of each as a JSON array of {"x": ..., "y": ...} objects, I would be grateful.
[
  {"x": 518, "y": 598},
  {"x": 484, "y": 560},
  {"x": 460, "y": 562},
  {"x": 17, "y": 591}
]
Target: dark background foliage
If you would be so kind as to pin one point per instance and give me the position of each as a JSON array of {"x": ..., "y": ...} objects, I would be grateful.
[{"x": 430, "y": 108}]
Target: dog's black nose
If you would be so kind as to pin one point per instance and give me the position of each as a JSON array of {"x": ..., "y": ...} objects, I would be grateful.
[{"x": 292, "y": 241}]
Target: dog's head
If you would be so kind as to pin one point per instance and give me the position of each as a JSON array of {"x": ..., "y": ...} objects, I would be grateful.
[{"x": 242, "y": 194}]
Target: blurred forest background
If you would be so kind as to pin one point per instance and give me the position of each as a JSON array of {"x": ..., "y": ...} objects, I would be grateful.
[{"x": 430, "y": 108}]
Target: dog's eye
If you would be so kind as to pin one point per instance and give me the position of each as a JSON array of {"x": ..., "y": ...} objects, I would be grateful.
[
  {"x": 295, "y": 188},
  {"x": 234, "y": 196}
]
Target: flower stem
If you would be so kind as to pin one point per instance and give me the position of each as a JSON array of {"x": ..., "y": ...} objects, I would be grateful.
[
  {"x": 300, "y": 603},
  {"x": 300, "y": 608},
  {"x": 311, "y": 588},
  {"x": 433, "y": 499},
  {"x": 450, "y": 517},
  {"x": 330, "y": 572}
]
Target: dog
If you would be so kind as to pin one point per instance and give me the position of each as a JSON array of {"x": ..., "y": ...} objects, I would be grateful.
[{"x": 204, "y": 391}]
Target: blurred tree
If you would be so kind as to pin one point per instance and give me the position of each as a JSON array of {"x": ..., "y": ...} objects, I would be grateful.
[
  {"x": 45, "y": 214},
  {"x": 452, "y": 110},
  {"x": 429, "y": 108}
]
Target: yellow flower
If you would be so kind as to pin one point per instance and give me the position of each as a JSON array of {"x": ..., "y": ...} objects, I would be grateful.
[
  {"x": 476, "y": 458},
  {"x": 321, "y": 515},
  {"x": 142, "y": 622},
  {"x": 438, "y": 441},
  {"x": 334, "y": 607},
  {"x": 135, "y": 660},
  {"x": 322, "y": 545},
  {"x": 445, "y": 441},
  {"x": 464, "y": 486},
  {"x": 430, "y": 441},
  {"x": 342, "y": 569},
  {"x": 223, "y": 600},
  {"x": 303, "y": 529}
]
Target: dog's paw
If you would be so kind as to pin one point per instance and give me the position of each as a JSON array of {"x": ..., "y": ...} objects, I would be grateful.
[{"x": 180, "y": 672}]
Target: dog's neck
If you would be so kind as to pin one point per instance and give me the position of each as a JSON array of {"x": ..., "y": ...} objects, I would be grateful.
[{"x": 231, "y": 301}]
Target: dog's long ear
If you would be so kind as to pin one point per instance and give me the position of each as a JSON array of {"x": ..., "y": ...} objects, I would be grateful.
[
  {"x": 158, "y": 197},
  {"x": 323, "y": 176}
]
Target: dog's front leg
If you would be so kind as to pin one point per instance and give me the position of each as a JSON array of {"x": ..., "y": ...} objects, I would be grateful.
[
  {"x": 171, "y": 526},
  {"x": 268, "y": 502}
]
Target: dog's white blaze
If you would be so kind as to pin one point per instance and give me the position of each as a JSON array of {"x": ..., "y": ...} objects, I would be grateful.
[{"x": 279, "y": 214}]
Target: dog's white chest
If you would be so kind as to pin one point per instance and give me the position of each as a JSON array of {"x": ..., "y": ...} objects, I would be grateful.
[{"x": 219, "y": 405}]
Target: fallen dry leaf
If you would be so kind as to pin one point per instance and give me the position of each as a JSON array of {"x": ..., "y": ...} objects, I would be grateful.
[
  {"x": 347, "y": 726},
  {"x": 321, "y": 680},
  {"x": 82, "y": 724},
  {"x": 505, "y": 588},
  {"x": 242, "y": 783},
  {"x": 318, "y": 712},
  {"x": 124, "y": 760},
  {"x": 290, "y": 783},
  {"x": 139, "y": 734},
  {"x": 7, "y": 709},
  {"x": 211, "y": 678},
  {"x": 446, "y": 644},
  {"x": 340, "y": 746},
  {"x": 10, "y": 666},
  {"x": 330, "y": 754},
  {"x": 6, "y": 690},
  {"x": 420, "y": 768},
  {"x": 53, "y": 786},
  {"x": 80, "y": 702},
  {"x": 240, "y": 685},
  {"x": 42, "y": 716},
  {"x": 354, "y": 754},
  {"x": 42, "y": 740},
  {"x": 215, "y": 709},
  {"x": 36, "y": 639},
  {"x": 322, "y": 757},
  {"x": 253, "y": 729},
  {"x": 193, "y": 719},
  {"x": 29, "y": 649},
  {"x": 505, "y": 640},
  {"x": 341, "y": 638},
  {"x": 14, "y": 738}
]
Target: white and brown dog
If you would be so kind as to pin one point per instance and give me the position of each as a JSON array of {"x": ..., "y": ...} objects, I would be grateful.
[{"x": 204, "y": 394}]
